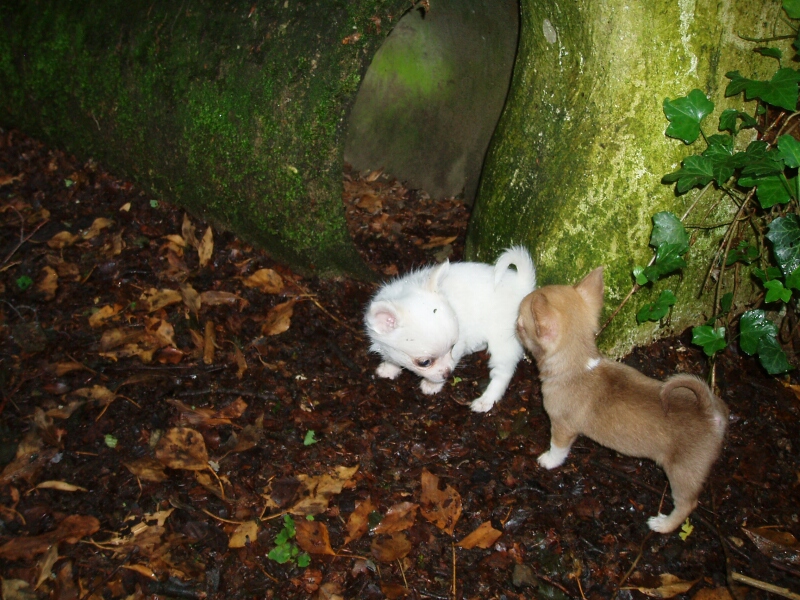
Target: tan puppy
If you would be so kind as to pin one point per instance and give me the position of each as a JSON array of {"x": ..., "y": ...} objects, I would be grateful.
[{"x": 678, "y": 423}]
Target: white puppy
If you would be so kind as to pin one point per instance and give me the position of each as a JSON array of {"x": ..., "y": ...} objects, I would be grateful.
[{"x": 427, "y": 320}]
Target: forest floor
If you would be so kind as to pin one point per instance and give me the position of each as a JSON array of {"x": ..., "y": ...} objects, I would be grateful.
[{"x": 182, "y": 417}]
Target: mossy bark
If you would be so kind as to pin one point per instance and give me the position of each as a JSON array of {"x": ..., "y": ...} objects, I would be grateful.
[
  {"x": 234, "y": 110},
  {"x": 575, "y": 166}
]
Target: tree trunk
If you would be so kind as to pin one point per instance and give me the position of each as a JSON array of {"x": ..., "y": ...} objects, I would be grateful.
[
  {"x": 575, "y": 166},
  {"x": 234, "y": 110}
]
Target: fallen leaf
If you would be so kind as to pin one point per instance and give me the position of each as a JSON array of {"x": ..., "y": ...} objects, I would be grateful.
[
  {"x": 97, "y": 226},
  {"x": 352, "y": 38},
  {"x": 182, "y": 448},
  {"x": 142, "y": 570},
  {"x": 777, "y": 545},
  {"x": 720, "y": 593},
  {"x": 46, "y": 565},
  {"x": 206, "y": 247},
  {"x": 249, "y": 437},
  {"x": 62, "y": 240},
  {"x": 9, "y": 179},
  {"x": 358, "y": 522},
  {"x": 208, "y": 416},
  {"x": 370, "y": 203},
  {"x": 209, "y": 343},
  {"x": 151, "y": 300},
  {"x": 312, "y": 536},
  {"x": 47, "y": 283},
  {"x": 191, "y": 298},
  {"x": 241, "y": 362},
  {"x": 330, "y": 591},
  {"x": 99, "y": 318},
  {"x": 62, "y": 486},
  {"x": 31, "y": 457},
  {"x": 483, "y": 537},
  {"x": 399, "y": 517},
  {"x": 100, "y": 394},
  {"x": 243, "y": 534},
  {"x": 438, "y": 242},
  {"x": 72, "y": 529},
  {"x": 59, "y": 369},
  {"x": 390, "y": 549},
  {"x": 187, "y": 231},
  {"x": 666, "y": 586},
  {"x": 440, "y": 507},
  {"x": 147, "y": 468},
  {"x": 17, "y": 589},
  {"x": 394, "y": 591},
  {"x": 267, "y": 281},
  {"x": 213, "y": 298},
  {"x": 317, "y": 491},
  {"x": 279, "y": 318}
]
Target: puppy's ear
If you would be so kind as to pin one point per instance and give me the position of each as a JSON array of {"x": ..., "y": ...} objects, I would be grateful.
[
  {"x": 545, "y": 319},
  {"x": 591, "y": 290},
  {"x": 436, "y": 276},
  {"x": 382, "y": 317}
]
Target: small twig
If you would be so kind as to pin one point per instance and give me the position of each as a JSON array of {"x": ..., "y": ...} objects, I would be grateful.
[
  {"x": 763, "y": 585},
  {"x": 403, "y": 573},
  {"x": 209, "y": 391},
  {"x": 633, "y": 565},
  {"x": 454, "y": 588}
]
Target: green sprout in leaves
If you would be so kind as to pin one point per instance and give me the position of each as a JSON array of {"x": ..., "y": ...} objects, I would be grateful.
[
  {"x": 311, "y": 438},
  {"x": 285, "y": 549},
  {"x": 24, "y": 282}
]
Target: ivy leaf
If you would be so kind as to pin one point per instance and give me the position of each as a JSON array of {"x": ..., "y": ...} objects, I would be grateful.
[
  {"x": 744, "y": 252},
  {"x": 727, "y": 120},
  {"x": 639, "y": 276},
  {"x": 753, "y": 325},
  {"x": 695, "y": 171},
  {"x": 655, "y": 311},
  {"x": 685, "y": 115},
  {"x": 769, "y": 164},
  {"x": 710, "y": 339},
  {"x": 784, "y": 233},
  {"x": 776, "y": 291},
  {"x": 789, "y": 150},
  {"x": 726, "y": 302},
  {"x": 668, "y": 259},
  {"x": 771, "y": 273},
  {"x": 793, "y": 280},
  {"x": 720, "y": 153},
  {"x": 668, "y": 229},
  {"x": 770, "y": 52},
  {"x": 771, "y": 189},
  {"x": 780, "y": 91},
  {"x": 772, "y": 356},
  {"x": 792, "y": 8}
]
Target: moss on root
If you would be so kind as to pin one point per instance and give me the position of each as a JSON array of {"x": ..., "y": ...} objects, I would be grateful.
[
  {"x": 574, "y": 170},
  {"x": 234, "y": 111}
]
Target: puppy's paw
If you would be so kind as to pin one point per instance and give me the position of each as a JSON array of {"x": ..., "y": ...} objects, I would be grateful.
[
  {"x": 482, "y": 404},
  {"x": 553, "y": 458},
  {"x": 388, "y": 370},
  {"x": 662, "y": 523},
  {"x": 429, "y": 387}
]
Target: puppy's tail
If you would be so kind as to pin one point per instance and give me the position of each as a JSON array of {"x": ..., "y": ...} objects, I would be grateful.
[
  {"x": 520, "y": 258},
  {"x": 716, "y": 409}
]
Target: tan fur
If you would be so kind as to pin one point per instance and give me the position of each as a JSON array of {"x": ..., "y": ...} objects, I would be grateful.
[{"x": 678, "y": 423}]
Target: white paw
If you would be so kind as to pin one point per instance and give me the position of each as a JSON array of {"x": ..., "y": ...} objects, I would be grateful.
[
  {"x": 659, "y": 523},
  {"x": 554, "y": 457},
  {"x": 482, "y": 404},
  {"x": 429, "y": 387},
  {"x": 388, "y": 370}
]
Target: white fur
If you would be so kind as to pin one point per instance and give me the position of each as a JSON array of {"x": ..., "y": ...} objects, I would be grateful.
[
  {"x": 442, "y": 313},
  {"x": 554, "y": 457}
]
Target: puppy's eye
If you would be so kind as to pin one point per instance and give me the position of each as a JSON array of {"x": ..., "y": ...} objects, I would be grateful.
[{"x": 424, "y": 362}]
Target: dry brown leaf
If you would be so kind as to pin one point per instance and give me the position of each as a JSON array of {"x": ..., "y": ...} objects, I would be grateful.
[
  {"x": 483, "y": 537},
  {"x": 176, "y": 240},
  {"x": 191, "y": 298},
  {"x": 151, "y": 300},
  {"x": 249, "y": 437},
  {"x": 209, "y": 343},
  {"x": 62, "y": 486},
  {"x": 31, "y": 457},
  {"x": 62, "y": 240},
  {"x": 399, "y": 517},
  {"x": 312, "y": 536},
  {"x": 243, "y": 534},
  {"x": 65, "y": 270},
  {"x": 99, "y": 393},
  {"x": 720, "y": 593},
  {"x": 147, "y": 468},
  {"x": 352, "y": 38},
  {"x": 65, "y": 412},
  {"x": 358, "y": 522},
  {"x": 208, "y": 416},
  {"x": 666, "y": 586},
  {"x": 390, "y": 549},
  {"x": 394, "y": 591},
  {"x": 97, "y": 226},
  {"x": 317, "y": 491},
  {"x": 59, "y": 369},
  {"x": 438, "y": 242},
  {"x": 9, "y": 179},
  {"x": 330, "y": 591},
  {"x": 70, "y": 530},
  {"x": 45, "y": 565},
  {"x": 142, "y": 570},
  {"x": 777, "y": 545},
  {"x": 213, "y": 298},
  {"x": 99, "y": 318},
  {"x": 114, "y": 338},
  {"x": 440, "y": 507},
  {"x": 47, "y": 283},
  {"x": 241, "y": 362},
  {"x": 279, "y": 318},
  {"x": 206, "y": 247},
  {"x": 115, "y": 246},
  {"x": 266, "y": 280},
  {"x": 182, "y": 448},
  {"x": 187, "y": 231},
  {"x": 16, "y": 589},
  {"x": 370, "y": 203}
]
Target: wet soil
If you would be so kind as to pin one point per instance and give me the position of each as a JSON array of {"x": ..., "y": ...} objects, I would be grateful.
[{"x": 275, "y": 383}]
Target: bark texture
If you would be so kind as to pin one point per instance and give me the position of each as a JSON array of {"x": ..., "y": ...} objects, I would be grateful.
[
  {"x": 234, "y": 110},
  {"x": 575, "y": 166}
]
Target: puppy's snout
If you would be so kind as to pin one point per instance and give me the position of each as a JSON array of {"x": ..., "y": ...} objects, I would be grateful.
[{"x": 446, "y": 373}]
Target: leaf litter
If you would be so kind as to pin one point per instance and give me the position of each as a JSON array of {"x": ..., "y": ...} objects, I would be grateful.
[{"x": 208, "y": 365}]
